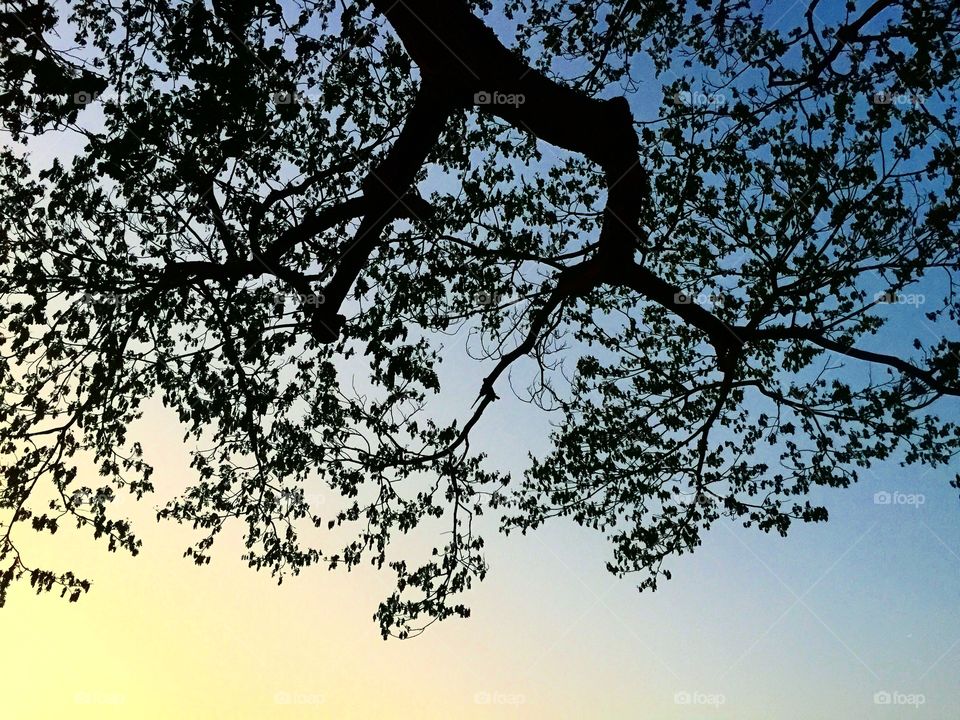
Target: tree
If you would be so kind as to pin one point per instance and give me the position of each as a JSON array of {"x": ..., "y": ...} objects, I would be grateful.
[{"x": 686, "y": 227}]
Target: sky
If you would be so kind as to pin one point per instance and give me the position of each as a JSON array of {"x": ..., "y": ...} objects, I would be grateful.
[
  {"x": 855, "y": 618},
  {"x": 751, "y": 627}
]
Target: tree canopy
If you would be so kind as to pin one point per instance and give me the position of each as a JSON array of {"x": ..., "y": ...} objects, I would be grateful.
[{"x": 686, "y": 231}]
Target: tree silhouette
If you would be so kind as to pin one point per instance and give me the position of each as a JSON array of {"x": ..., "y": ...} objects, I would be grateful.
[{"x": 686, "y": 231}]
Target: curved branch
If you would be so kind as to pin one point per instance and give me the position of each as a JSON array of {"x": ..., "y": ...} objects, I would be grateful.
[{"x": 927, "y": 377}]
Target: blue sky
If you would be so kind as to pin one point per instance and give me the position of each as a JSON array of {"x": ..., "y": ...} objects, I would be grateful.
[{"x": 852, "y": 618}]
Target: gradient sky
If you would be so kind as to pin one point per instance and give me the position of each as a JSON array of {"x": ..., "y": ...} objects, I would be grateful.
[{"x": 752, "y": 626}]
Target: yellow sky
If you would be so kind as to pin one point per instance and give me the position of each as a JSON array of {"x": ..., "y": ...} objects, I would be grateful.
[{"x": 808, "y": 627}]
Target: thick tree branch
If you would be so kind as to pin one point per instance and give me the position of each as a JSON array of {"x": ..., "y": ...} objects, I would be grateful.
[
  {"x": 458, "y": 51},
  {"x": 723, "y": 337},
  {"x": 386, "y": 193}
]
